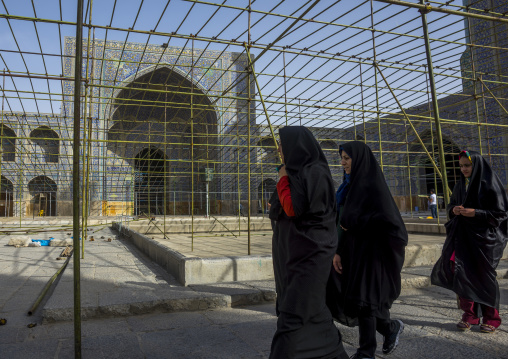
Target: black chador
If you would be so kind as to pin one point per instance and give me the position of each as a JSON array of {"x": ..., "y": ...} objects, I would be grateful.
[
  {"x": 479, "y": 241},
  {"x": 372, "y": 249},
  {"x": 303, "y": 250}
]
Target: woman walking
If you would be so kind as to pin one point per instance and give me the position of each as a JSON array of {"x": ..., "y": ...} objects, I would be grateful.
[
  {"x": 371, "y": 249},
  {"x": 476, "y": 236},
  {"x": 302, "y": 210}
]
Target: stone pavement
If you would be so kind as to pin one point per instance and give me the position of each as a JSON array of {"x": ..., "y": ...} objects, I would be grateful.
[
  {"x": 132, "y": 308},
  {"x": 429, "y": 315}
]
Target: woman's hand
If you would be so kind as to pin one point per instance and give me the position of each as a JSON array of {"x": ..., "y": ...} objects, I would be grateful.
[
  {"x": 337, "y": 264},
  {"x": 467, "y": 212},
  {"x": 456, "y": 210},
  {"x": 282, "y": 172}
]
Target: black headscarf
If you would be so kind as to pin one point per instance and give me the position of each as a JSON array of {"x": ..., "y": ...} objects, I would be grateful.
[
  {"x": 485, "y": 191},
  {"x": 308, "y": 171},
  {"x": 479, "y": 241},
  {"x": 303, "y": 247}
]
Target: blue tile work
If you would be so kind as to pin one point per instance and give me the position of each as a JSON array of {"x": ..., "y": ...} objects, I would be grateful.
[{"x": 118, "y": 64}]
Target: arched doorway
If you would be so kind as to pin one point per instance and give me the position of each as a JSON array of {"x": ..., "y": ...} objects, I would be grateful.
[
  {"x": 47, "y": 145},
  {"x": 6, "y": 198},
  {"x": 43, "y": 191},
  {"x": 265, "y": 190},
  {"x": 8, "y": 143},
  {"x": 149, "y": 187},
  {"x": 427, "y": 177}
]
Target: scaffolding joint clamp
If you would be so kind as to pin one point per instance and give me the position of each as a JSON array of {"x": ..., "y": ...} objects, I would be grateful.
[{"x": 426, "y": 10}]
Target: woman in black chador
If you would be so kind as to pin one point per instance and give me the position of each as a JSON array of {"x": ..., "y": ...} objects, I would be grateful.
[
  {"x": 370, "y": 253},
  {"x": 476, "y": 236},
  {"x": 302, "y": 210}
]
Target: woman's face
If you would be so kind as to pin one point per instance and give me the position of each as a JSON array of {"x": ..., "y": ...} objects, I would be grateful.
[
  {"x": 466, "y": 167},
  {"x": 280, "y": 152},
  {"x": 346, "y": 162}
]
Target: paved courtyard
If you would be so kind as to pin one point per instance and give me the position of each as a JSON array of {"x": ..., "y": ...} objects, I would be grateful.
[{"x": 430, "y": 315}]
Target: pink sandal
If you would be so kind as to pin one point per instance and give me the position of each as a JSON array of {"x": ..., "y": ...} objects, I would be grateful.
[
  {"x": 464, "y": 326},
  {"x": 487, "y": 328}
]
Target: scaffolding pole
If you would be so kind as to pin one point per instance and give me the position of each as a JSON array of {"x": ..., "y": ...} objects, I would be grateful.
[
  {"x": 76, "y": 178},
  {"x": 435, "y": 107}
]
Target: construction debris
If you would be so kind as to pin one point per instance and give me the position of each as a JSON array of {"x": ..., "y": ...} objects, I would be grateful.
[
  {"x": 65, "y": 253},
  {"x": 21, "y": 241}
]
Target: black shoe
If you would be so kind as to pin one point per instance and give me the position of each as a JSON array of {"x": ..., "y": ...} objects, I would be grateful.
[
  {"x": 392, "y": 340},
  {"x": 359, "y": 356}
]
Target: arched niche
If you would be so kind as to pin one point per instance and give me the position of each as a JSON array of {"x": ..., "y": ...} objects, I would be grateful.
[
  {"x": 48, "y": 142},
  {"x": 8, "y": 143},
  {"x": 43, "y": 191},
  {"x": 163, "y": 109},
  {"x": 6, "y": 197}
]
